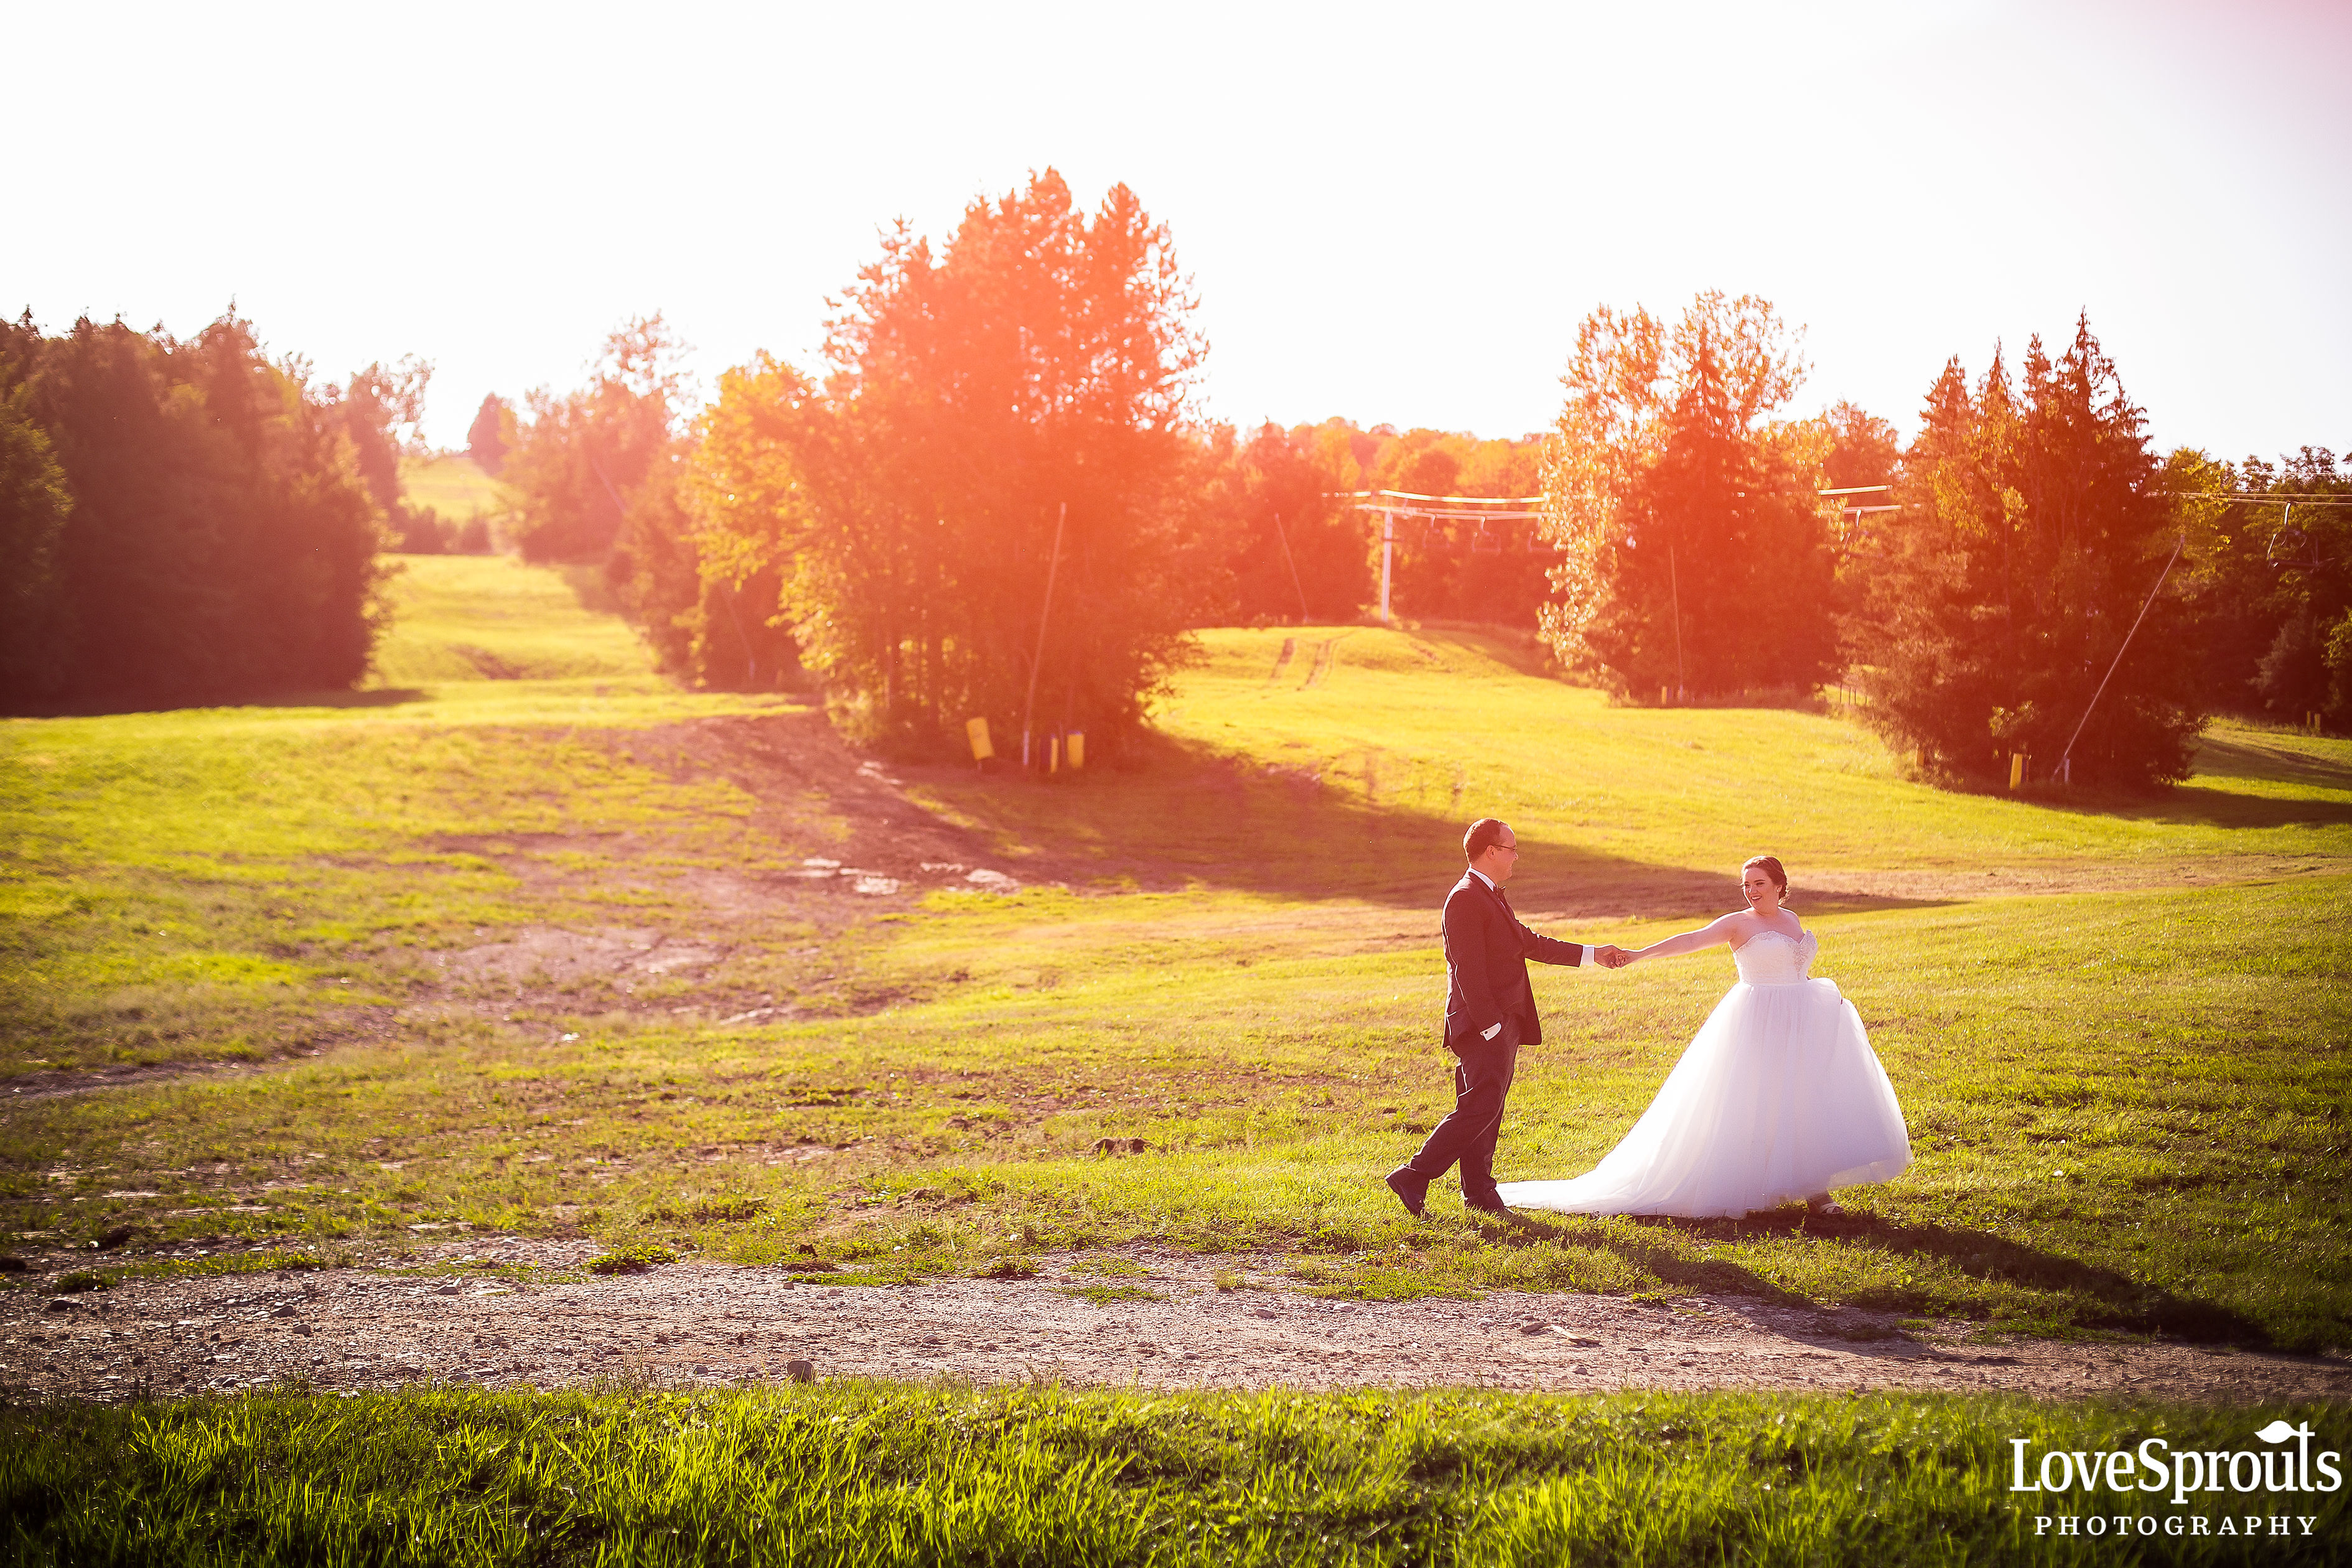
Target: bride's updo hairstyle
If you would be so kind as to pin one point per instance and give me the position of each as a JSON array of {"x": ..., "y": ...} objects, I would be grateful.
[{"x": 1770, "y": 866}]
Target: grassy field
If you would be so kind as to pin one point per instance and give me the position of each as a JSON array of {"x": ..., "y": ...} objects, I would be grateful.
[
  {"x": 454, "y": 486},
  {"x": 876, "y": 1476},
  {"x": 2117, "y": 1027}
]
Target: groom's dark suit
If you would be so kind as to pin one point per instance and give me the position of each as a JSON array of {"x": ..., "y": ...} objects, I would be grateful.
[{"x": 1486, "y": 953}]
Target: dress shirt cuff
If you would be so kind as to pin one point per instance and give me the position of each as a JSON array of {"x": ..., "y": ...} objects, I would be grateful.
[{"x": 1589, "y": 960}]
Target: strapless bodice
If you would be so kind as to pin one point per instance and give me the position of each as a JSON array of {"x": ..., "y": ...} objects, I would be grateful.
[{"x": 1769, "y": 958}]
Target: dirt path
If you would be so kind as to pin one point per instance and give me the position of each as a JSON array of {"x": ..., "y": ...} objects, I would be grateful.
[{"x": 712, "y": 1324}]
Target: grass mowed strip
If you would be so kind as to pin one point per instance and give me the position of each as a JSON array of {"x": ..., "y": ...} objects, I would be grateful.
[
  {"x": 490, "y": 617},
  {"x": 454, "y": 486},
  {"x": 880, "y": 1474}
]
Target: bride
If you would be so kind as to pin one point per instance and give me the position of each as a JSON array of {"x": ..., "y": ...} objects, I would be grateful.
[{"x": 1779, "y": 1097}]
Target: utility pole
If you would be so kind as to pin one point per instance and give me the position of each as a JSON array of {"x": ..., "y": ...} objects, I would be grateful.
[
  {"x": 1052, "y": 565},
  {"x": 1284, "y": 537},
  {"x": 1388, "y": 558},
  {"x": 1675, "y": 583}
]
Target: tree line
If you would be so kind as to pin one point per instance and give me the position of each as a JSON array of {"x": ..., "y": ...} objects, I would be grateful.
[
  {"x": 997, "y": 497},
  {"x": 2026, "y": 586},
  {"x": 187, "y": 521},
  {"x": 1010, "y": 412},
  {"x": 998, "y": 500}
]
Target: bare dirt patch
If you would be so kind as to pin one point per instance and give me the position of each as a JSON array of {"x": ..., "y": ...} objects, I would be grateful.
[
  {"x": 1155, "y": 1319},
  {"x": 54, "y": 1083},
  {"x": 567, "y": 957}
]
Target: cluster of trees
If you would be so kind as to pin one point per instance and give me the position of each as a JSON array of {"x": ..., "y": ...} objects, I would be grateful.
[
  {"x": 2035, "y": 525},
  {"x": 1980, "y": 599},
  {"x": 383, "y": 413},
  {"x": 2269, "y": 577},
  {"x": 1695, "y": 558},
  {"x": 185, "y": 522},
  {"x": 997, "y": 501},
  {"x": 1008, "y": 414}
]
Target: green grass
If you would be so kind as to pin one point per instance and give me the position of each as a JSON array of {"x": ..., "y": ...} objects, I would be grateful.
[
  {"x": 2126, "y": 1097},
  {"x": 454, "y": 486},
  {"x": 868, "y": 1475},
  {"x": 1360, "y": 783},
  {"x": 244, "y": 883},
  {"x": 467, "y": 619}
]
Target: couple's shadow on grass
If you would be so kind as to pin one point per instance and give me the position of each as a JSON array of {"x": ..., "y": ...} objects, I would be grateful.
[{"x": 2115, "y": 1300}]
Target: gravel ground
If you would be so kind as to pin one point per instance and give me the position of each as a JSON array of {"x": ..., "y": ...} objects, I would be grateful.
[{"x": 377, "y": 1328}]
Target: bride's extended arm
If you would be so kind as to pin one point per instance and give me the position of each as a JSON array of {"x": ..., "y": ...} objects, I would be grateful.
[{"x": 1712, "y": 934}]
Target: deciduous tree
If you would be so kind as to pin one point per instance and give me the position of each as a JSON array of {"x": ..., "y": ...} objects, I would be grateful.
[
  {"x": 576, "y": 460},
  {"x": 1028, "y": 384}
]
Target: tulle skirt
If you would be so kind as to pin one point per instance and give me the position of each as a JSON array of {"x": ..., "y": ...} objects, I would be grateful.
[{"x": 1779, "y": 1099}]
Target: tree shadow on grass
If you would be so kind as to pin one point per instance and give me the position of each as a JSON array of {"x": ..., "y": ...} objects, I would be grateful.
[
  {"x": 1195, "y": 816},
  {"x": 2104, "y": 1298},
  {"x": 373, "y": 697},
  {"x": 2206, "y": 803}
]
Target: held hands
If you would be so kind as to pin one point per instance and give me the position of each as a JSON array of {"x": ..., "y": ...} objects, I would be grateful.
[{"x": 1613, "y": 957}]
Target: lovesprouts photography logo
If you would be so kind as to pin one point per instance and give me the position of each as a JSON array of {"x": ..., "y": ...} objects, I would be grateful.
[{"x": 2285, "y": 1471}]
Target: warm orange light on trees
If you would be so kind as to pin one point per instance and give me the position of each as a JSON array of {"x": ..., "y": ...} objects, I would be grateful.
[
  {"x": 1043, "y": 361},
  {"x": 1694, "y": 556},
  {"x": 2033, "y": 527}
]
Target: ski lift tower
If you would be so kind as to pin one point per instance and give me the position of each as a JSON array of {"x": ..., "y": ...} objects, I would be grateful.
[{"x": 1447, "y": 511}]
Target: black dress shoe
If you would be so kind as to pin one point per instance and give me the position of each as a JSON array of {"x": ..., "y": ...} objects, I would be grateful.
[{"x": 1410, "y": 1189}]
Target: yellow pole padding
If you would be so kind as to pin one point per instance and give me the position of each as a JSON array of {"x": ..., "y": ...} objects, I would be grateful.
[
  {"x": 1053, "y": 753},
  {"x": 1077, "y": 750},
  {"x": 976, "y": 730},
  {"x": 2016, "y": 769}
]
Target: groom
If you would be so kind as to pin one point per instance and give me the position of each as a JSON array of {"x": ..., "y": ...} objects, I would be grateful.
[{"x": 1490, "y": 1013}]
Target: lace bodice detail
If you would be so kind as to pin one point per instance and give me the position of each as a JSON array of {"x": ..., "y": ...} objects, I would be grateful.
[{"x": 1769, "y": 958}]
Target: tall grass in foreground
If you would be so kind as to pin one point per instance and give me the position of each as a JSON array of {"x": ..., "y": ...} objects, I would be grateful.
[{"x": 870, "y": 1474}]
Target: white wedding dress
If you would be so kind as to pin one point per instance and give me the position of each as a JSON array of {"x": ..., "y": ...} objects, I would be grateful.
[{"x": 1779, "y": 1099}]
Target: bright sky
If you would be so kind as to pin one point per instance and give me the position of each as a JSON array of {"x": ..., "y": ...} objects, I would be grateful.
[{"x": 1390, "y": 213}]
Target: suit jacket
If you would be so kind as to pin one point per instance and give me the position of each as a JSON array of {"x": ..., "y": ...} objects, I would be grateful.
[{"x": 1486, "y": 953}]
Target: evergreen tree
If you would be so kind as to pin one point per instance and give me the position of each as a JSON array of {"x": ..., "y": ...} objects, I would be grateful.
[
  {"x": 2033, "y": 527},
  {"x": 487, "y": 438},
  {"x": 35, "y": 502},
  {"x": 220, "y": 542}
]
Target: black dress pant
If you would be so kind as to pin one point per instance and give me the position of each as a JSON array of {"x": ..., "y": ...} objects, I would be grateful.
[{"x": 1482, "y": 1082}]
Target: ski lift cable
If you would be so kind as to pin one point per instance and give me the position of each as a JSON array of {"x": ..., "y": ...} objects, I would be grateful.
[
  {"x": 2061, "y": 770},
  {"x": 2270, "y": 499},
  {"x": 1450, "y": 500}
]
